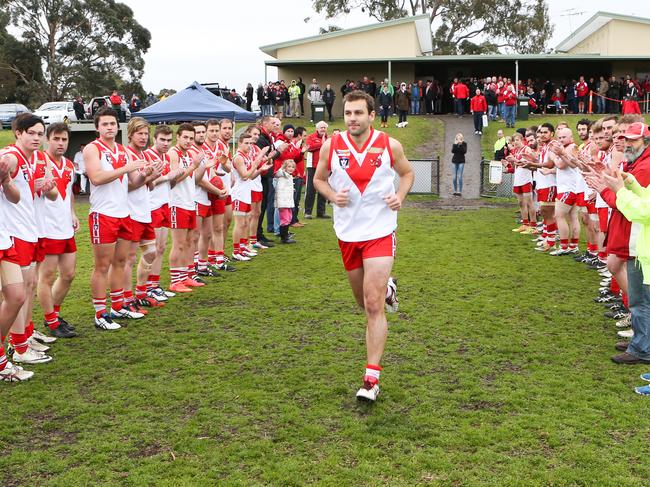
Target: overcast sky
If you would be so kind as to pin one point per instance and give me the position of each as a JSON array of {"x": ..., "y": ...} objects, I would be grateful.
[{"x": 224, "y": 36}]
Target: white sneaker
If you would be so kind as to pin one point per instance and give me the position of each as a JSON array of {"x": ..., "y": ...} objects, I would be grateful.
[
  {"x": 15, "y": 373},
  {"x": 248, "y": 253},
  {"x": 405, "y": 124},
  {"x": 626, "y": 333},
  {"x": 370, "y": 395},
  {"x": 258, "y": 245},
  {"x": 37, "y": 335},
  {"x": 391, "y": 302},
  {"x": 104, "y": 322},
  {"x": 240, "y": 257},
  {"x": 559, "y": 251},
  {"x": 168, "y": 293},
  {"x": 625, "y": 322},
  {"x": 157, "y": 295},
  {"x": 31, "y": 356},
  {"x": 34, "y": 345},
  {"x": 126, "y": 313}
]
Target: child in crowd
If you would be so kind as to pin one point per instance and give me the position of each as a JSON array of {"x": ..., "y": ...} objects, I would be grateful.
[{"x": 284, "y": 198}]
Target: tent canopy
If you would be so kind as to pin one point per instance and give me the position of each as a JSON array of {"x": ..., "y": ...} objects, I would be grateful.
[{"x": 194, "y": 103}]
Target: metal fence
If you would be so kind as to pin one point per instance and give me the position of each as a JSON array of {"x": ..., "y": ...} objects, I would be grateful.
[
  {"x": 427, "y": 176},
  {"x": 501, "y": 190}
]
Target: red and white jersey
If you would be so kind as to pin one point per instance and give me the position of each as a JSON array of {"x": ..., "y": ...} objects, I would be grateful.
[
  {"x": 606, "y": 158},
  {"x": 567, "y": 178},
  {"x": 139, "y": 202},
  {"x": 256, "y": 183},
  {"x": 110, "y": 199},
  {"x": 182, "y": 194},
  {"x": 200, "y": 194},
  {"x": 241, "y": 190},
  {"x": 544, "y": 180},
  {"x": 20, "y": 218},
  {"x": 54, "y": 218},
  {"x": 222, "y": 148},
  {"x": 368, "y": 173},
  {"x": 522, "y": 175},
  {"x": 159, "y": 195}
]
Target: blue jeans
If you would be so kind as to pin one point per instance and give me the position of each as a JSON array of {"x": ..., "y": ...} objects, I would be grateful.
[
  {"x": 502, "y": 110},
  {"x": 600, "y": 104},
  {"x": 510, "y": 114},
  {"x": 270, "y": 208},
  {"x": 297, "y": 192},
  {"x": 458, "y": 177},
  {"x": 492, "y": 112},
  {"x": 639, "y": 303},
  {"x": 415, "y": 107}
]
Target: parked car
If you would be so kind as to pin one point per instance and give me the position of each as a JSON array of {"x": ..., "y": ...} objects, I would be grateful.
[
  {"x": 56, "y": 111},
  {"x": 101, "y": 101},
  {"x": 8, "y": 112}
]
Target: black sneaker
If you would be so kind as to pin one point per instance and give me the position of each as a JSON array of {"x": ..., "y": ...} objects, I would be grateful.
[
  {"x": 198, "y": 279},
  {"x": 63, "y": 332},
  {"x": 226, "y": 267},
  {"x": 207, "y": 272},
  {"x": 326, "y": 217},
  {"x": 66, "y": 324},
  {"x": 617, "y": 315},
  {"x": 598, "y": 265},
  {"x": 606, "y": 298},
  {"x": 616, "y": 305}
]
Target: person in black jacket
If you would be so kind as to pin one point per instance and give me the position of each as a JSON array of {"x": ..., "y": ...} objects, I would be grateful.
[
  {"x": 266, "y": 140},
  {"x": 249, "y": 96},
  {"x": 301, "y": 85},
  {"x": 384, "y": 101},
  {"x": 459, "y": 149},
  {"x": 328, "y": 98}
]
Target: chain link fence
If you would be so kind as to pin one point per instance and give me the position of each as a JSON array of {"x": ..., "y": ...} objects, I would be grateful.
[
  {"x": 427, "y": 176},
  {"x": 501, "y": 190}
]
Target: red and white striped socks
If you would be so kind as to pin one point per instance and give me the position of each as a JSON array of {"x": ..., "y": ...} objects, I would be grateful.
[
  {"x": 177, "y": 274},
  {"x": 117, "y": 299},
  {"x": 371, "y": 376}
]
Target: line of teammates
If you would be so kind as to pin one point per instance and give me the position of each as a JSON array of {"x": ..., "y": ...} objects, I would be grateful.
[
  {"x": 140, "y": 195},
  {"x": 559, "y": 178}
]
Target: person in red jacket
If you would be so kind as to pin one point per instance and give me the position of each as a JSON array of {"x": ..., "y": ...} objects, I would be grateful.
[
  {"x": 582, "y": 90},
  {"x": 461, "y": 94},
  {"x": 510, "y": 101},
  {"x": 314, "y": 142},
  {"x": 478, "y": 107}
]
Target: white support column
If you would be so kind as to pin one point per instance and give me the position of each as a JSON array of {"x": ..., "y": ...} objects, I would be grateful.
[{"x": 390, "y": 72}]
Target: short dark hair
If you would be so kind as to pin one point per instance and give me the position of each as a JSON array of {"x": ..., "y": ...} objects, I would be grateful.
[
  {"x": 584, "y": 121},
  {"x": 24, "y": 121},
  {"x": 299, "y": 131},
  {"x": 162, "y": 129},
  {"x": 549, "y": 126},
  {"x": 199, "y": 123},
  {"x": 105, "y": 112},
  {"x": 57, "y": 128},
  {"x": 243, "y": 136},
  {"x": 185, "y": 127},
  {"x": 211, "y": 121},
  {"x": 224, "y": 120},
  {"x": 360, "y": 95}
]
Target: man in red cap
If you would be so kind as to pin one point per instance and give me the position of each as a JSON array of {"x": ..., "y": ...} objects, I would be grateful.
[{"x": 622, "y": 237}]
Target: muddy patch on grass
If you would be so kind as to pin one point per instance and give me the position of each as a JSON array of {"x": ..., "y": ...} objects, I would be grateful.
[{"x": 460, "y": 204}]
